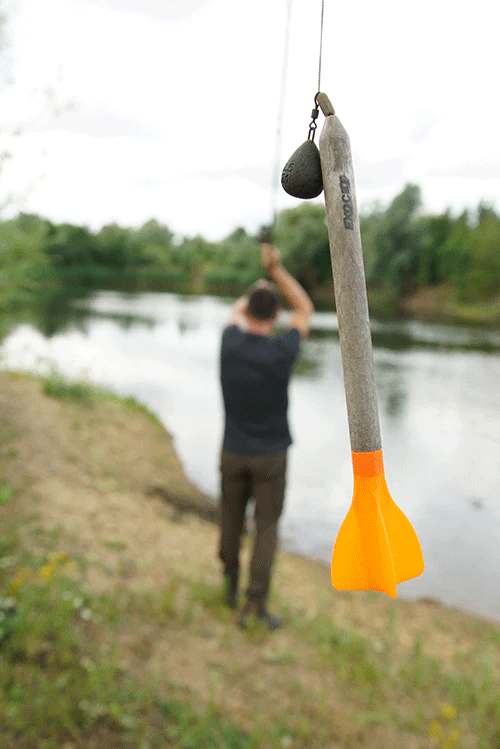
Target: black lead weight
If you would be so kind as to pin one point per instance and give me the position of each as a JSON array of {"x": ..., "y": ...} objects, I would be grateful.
[{"x": 301, "y": 176}]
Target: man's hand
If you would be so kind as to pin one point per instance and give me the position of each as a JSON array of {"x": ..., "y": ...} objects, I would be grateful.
[
  {"x": 270, "y": 256},
  {"x": 263, "y": 283}
]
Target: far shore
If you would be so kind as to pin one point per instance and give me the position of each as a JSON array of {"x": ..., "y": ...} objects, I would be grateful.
[{"x": 433, "y": 304}]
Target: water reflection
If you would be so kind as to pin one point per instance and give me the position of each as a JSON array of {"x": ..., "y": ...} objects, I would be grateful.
[
  {"x": 53, "y": 314},
  {"x": 439, "y": 405},
  {"x": 392, "y": 389},
  {"x": 407, "y": 336}
]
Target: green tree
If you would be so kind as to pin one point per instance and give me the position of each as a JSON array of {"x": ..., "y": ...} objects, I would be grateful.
[
  {"x": 115, "y": 247},
  {"x": 482, "y": 276},
  {"x": 453, "y": 257},
  {"x": 25, "y": 266},
  {"x": 396, "y": 242},
  {"x": 234, "y": 263},
  {"x": 151, "y": 245},
  {"x": 71, "y": 246},
  {"x": 153, "y": 233},
  {"x": 370, "y": 224},
  {"x": 434, "y": 233},
  {"x": 302, "y": 236}
]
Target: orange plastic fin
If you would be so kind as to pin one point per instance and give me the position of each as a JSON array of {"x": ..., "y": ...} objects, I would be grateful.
[
  {"x": 376, "y": 547},
  {"x": 405, "y": 546},
  {"x": 349, "y": 564}
]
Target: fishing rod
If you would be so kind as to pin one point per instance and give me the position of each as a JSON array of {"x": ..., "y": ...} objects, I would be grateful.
[{"x": 266, "y": 232}]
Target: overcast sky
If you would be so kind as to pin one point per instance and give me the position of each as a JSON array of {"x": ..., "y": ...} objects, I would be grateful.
[{"x": 167, "y": 108}]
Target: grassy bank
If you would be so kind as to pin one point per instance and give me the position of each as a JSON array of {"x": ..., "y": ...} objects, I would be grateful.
[
  {"x": 113, "y": 633},
  {"x": 439, "y": 304},
  {"x": 429, "y": 303}
]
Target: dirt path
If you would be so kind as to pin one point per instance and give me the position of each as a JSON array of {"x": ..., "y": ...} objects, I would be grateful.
[{"x": 88, "y": 470}]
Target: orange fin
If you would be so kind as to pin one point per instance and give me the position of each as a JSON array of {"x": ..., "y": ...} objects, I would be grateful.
[
  {"x": 405, "y": 546},
  {"x": 376, "y": 547}
]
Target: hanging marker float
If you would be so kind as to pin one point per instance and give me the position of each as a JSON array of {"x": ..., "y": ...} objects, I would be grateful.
[{"x": 376, "y": 547}]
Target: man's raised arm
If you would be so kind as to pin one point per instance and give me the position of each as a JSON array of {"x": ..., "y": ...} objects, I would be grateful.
[
  {"x": 298, "y": 299},
  {"x": 239, "y": 311}
]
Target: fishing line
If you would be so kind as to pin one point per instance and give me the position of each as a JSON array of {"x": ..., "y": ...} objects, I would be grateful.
[
  {"x": 266, "y": 232},
  {"x": 321, "y": 44},
  {"x": 301, "y": 176}
]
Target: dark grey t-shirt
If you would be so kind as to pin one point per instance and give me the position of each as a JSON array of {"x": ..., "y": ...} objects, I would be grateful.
[{"x": 254, "y": 372}]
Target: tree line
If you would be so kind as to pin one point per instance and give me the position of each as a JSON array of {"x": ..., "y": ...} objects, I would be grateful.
[{"x": 405, "y": 249}]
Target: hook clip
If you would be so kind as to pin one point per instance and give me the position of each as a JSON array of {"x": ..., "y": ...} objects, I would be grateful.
[{"x": 313, "y": 124}]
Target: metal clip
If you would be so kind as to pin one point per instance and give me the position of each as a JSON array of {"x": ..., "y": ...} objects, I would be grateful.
[{"x": 313, "y": 124}]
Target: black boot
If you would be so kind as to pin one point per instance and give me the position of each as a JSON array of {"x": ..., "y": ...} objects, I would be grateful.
[
  {"x": 260, "y": 612},
  {"x": 270, "y": 620}
]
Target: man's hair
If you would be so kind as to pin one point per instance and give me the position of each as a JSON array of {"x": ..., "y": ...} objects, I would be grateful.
[{"x": 263, "y": 303}]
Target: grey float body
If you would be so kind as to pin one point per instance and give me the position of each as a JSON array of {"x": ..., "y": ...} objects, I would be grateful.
[{"x": 350, "y": 286}]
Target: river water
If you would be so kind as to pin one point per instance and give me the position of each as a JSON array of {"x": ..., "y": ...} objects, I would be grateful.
[{"x": 439, "y": 394}]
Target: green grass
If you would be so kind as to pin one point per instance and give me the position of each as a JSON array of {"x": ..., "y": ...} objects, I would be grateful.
[
  {"x": 115, "y": 545},
  {"x": 210, "y": 597},
  {"x": 134, "y": 405},
  {"x": 351, "y": 655},
  {"x": 54, "y": 685},
  {"x": 166, "y": 605},
  {"x": 58, "y": 386},
  {"x": 406, "y": 688},
  {"x": 57, "y": 684},
  {"x": 204, "y": 729},
  {"x": 60, "y": 682},
  {"x": 376, "y": 671},
  {"x": 6, "y": 493}
]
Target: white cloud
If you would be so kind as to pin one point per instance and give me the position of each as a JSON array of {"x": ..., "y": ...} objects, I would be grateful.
[
  {"x": 174, "y": 104},
  {"x": 170, "y": 9}
]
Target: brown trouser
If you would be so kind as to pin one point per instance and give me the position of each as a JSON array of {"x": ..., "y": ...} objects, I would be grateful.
[{"x": 262, "y": 477}]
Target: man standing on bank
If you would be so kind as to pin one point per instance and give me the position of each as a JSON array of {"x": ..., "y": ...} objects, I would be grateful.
[{"x": 255, "y": 368}]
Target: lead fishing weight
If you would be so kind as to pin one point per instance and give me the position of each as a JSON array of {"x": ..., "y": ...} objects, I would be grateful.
[{"x": 302, "y": 176}]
